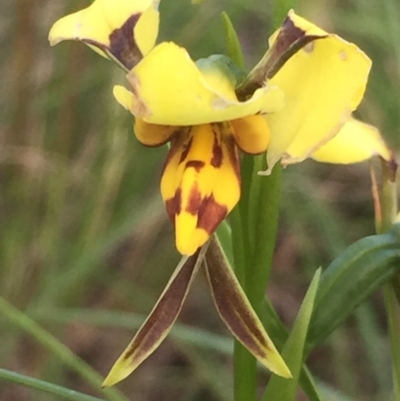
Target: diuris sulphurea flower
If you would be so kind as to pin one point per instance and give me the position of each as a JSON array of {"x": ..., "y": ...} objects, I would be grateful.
[
  {"x": 298, "y": 99},
  {"x": 296, "y": 103}
]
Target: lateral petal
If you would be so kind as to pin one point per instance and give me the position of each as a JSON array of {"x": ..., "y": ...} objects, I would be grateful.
[
  {"x": 237, "y": 313},
  {"x": 251, "y": 134},
  {"x": 355, "y": 142},
  {"x": 160, "y": 321},
  {"x": 323, "y": 83},
  {"x": 123, "y": 30}
]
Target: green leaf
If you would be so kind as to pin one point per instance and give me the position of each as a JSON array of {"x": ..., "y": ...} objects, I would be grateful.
[
  {"x": 45, "y": 387},
  {"x": 233, "y": 48},
  {"x": 279, "y": 389},
  {"x": 160, "y": 320},
  {"x": 350, "y": 279},
  {"x": 279, "y": 333},
  {"x": 61, "y": 351},
  {"x": 393, "y": 311}
]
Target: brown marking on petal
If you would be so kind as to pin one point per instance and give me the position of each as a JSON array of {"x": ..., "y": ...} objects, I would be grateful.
[
  {"x": 170, "y": 206},
  {"x": 232, "y": 304},
  {"x": 232, "y": 151},
  {"x": 235, "y": 315},
  {"x": 211, "y": 213},
  {"x": 186, "y": 150},
  {"x": 196, "y": 164},
  {"x": 217, "y": 156},
  {"x": 178, "y": 200},
  {"x": 194, "y": 201},
  {"x": 176, "y": 143},
  {"x": 123, "y": 45},
  {"x": 290, "y": 40},
  {"x": 174, "y": 205},
  {"x": 166, "y": 310}
]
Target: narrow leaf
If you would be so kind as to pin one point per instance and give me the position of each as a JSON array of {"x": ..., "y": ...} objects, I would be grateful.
[
  {"x": 233, "y": 48},
  {"x": 350, "y": 279},
  {"x": 293, "y": 351},
  {"x": 237, "y": 313},
  {"x": 160, "y": 321},
  {"x": 279, "y": 333},
  {"x": 393, "y": 311}
]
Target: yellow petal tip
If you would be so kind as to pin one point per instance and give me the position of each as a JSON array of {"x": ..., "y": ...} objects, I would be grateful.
[
  {"x": 123, "y": 96},
  {"x": 277, "y": 365},
  {"x": 65, "y": 28},
  {"x": 120, "y": 370}
]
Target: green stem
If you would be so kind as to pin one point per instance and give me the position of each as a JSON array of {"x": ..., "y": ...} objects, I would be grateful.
[
  {"x": 265, "y": 228},
  {"x": 60, "y": 350},
  {"x": 259, "y": 207},
  {"x": 393, "y": 312},
  {"x": 245, "y": 368},
  {"x": 389, "y": 208},
  {"x": 45, "y": 387},
  {"x": 253, "y": 236}
]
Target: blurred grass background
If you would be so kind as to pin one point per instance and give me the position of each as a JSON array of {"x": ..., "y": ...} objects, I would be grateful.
[{"x": 85, "y": 246}]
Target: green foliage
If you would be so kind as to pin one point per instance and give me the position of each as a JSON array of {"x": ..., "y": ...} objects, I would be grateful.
[
  {"x": 279, "y": 389},
  {"x": 83, "y": 226}
]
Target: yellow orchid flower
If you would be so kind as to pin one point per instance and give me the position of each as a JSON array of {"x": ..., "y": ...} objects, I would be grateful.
[
  {"x": 291, "y": 104},
  {"x": 297, "y": 103},
  {"x": 200, "y": 183}
]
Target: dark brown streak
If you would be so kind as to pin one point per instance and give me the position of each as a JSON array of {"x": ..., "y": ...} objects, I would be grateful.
[
  {"x": 186, "y": 150},
  {"x": 233, "y": 155},
  {"x": 123, "y": 45},
  {"x": 211, "y": 213},
  {"x": 196, "y": 164},
  {"x": 166, "y": 311},
  {"x": 195, "y": 201},
  {"x": 289, "y": 41},
  {"x": 216, "y": 160}
]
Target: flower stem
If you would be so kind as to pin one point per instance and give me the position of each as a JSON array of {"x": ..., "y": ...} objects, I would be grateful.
[
  {"x": 389, "y": 208},
  {"x": 265, "y": 234},
  {"x": 254, "y": 226},
  {"x": 259, "y": 207},
  {"x": 245, "y": 368}
]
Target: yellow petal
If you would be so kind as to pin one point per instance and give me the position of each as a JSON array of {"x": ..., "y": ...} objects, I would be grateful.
[
  {"x": 124, "y": 97},
  {"x": 200, "y": 183},
  {"x": 354, "y": 143},
  {"x": 170, "y": 89},
  {"x": 251, "y": 134},
  {"x": 153, "y": 134},
  {"x": 323, "y": 83},
  {"x": 123, "y": 30}
]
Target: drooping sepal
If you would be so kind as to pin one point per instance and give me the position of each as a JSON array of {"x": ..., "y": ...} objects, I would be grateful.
[
  {"x": 237, "y": 313},
  {"x": 200, "y": 183},
  {"x": 160, "y": 321},
  {"x": 122, "y": 30}
]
